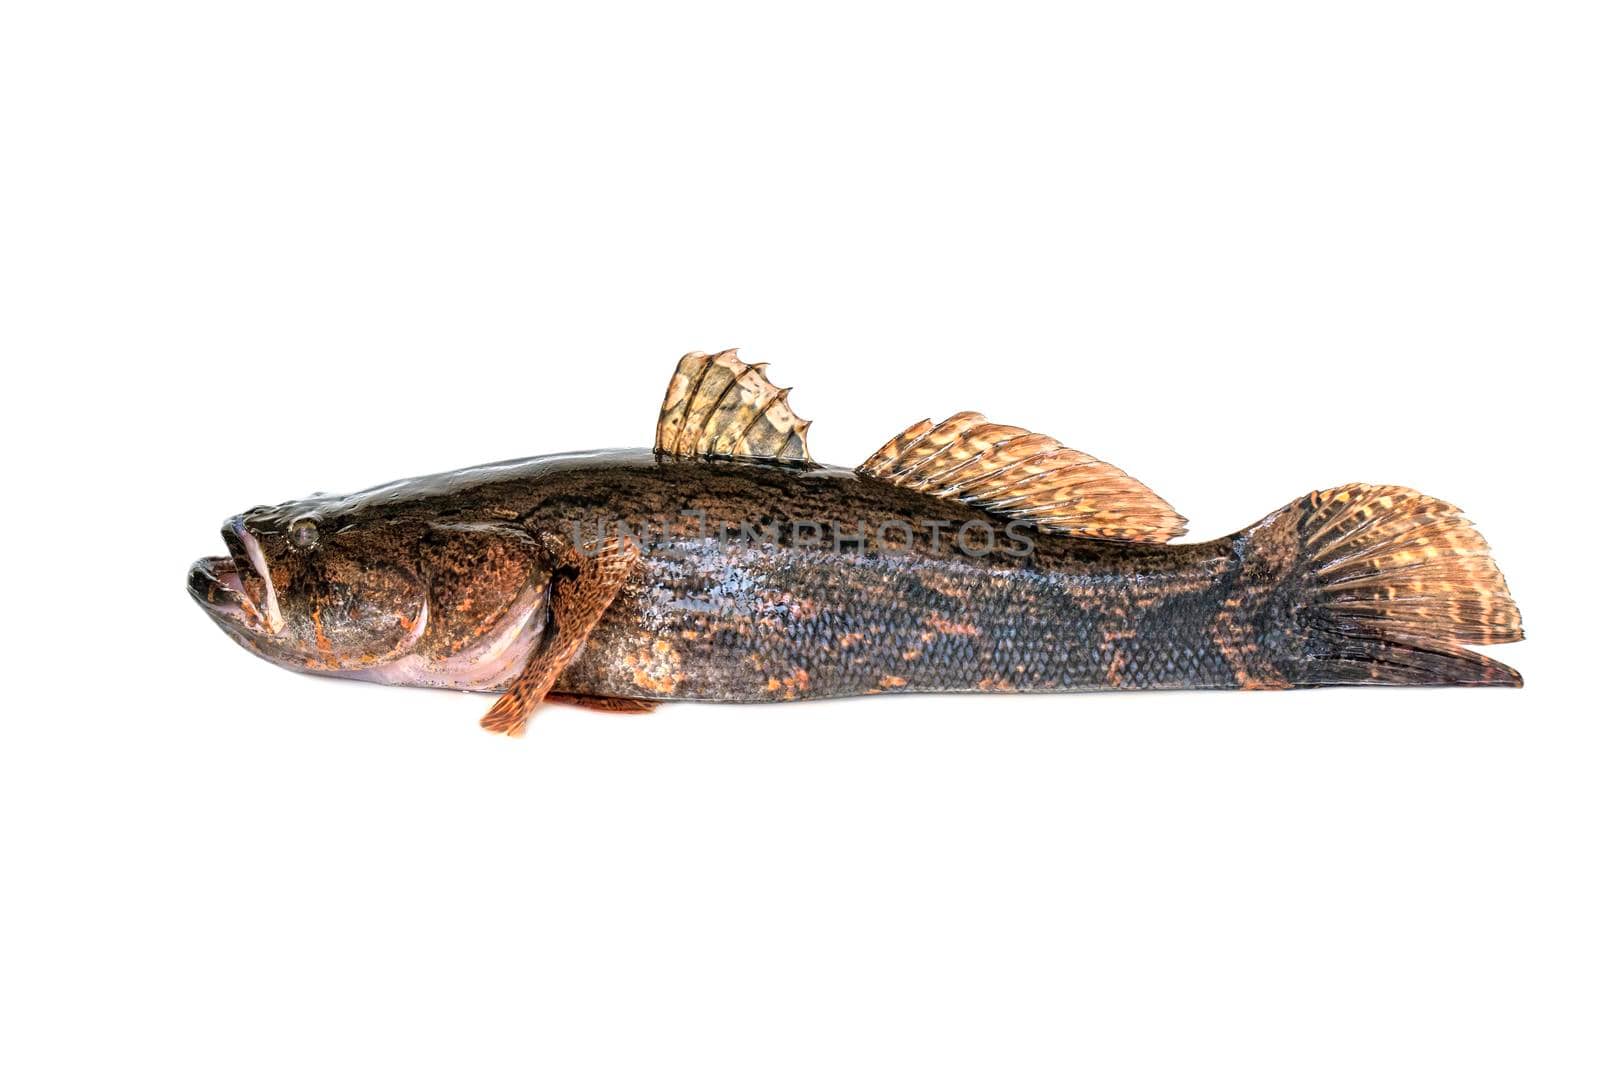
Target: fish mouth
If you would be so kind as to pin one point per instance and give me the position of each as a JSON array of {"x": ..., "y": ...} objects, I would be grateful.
[{"x": 223, "y": 584}]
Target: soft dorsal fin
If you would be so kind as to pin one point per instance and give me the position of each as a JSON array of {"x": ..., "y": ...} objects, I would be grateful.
[
  {"x": 722, "y": 406},
  {"x": 1022, "y": 475}
]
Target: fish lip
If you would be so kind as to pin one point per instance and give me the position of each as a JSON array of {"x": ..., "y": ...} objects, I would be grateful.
[
  {"x": 245, "y": 557},
  {"x": 214, "y": 582}
]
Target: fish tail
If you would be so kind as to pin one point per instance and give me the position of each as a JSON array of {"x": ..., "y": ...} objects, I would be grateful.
[{"x": 1381, "y": 585}]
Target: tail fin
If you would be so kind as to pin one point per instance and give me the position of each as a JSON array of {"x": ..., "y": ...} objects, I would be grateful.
[{"x": 1391, "y": 584}]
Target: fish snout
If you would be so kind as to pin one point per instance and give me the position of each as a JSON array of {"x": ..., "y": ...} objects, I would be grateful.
[
  {"x": 238, "y": 586},
  {"x": 216, "y": 584}
]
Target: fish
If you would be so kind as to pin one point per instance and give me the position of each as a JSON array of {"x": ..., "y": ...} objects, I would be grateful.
[{"x": 724, "y": 564}]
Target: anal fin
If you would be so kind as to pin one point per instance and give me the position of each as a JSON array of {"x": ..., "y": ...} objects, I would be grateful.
[{"x": 616, "y": 705}]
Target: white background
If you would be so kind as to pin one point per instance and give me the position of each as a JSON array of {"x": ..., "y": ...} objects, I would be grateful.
[{"x": 1242, "y": 250}]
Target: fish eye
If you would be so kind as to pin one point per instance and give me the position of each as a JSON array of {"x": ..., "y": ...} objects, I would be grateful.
[{"x": 303, "y": 532}]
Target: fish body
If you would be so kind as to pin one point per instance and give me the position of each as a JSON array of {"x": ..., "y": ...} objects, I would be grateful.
[
  {"x": 964, "y": 557},
  {"x": 844, "y": 585}
]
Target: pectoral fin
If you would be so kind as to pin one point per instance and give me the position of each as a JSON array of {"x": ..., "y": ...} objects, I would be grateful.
[
  {"x": 578, "y": 601},
  {"x": 1013, "y": 473}
]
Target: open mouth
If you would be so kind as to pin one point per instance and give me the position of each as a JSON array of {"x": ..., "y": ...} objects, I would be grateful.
[{"x": 238, "y": 585}]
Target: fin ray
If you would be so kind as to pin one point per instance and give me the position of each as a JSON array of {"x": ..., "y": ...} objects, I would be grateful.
[
  {"x": 1014, "y": 473},
  {"x": 576, "y": 604},
  {"x": 720, "y": 406},
  {"x": 1395, "y": 583}
]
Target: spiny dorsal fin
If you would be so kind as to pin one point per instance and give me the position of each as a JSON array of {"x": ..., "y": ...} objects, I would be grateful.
[
  {"x": 1028, "y": 476},
  {"x": 722, "y": 406}
]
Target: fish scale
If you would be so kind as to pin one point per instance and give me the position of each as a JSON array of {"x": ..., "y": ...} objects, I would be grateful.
[
  {"x": 727, "y": 565},
  {"x": 1036, "y": 624}
]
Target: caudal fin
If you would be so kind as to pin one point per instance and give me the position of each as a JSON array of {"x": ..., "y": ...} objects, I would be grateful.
[{"x": 1391, "y": 584}]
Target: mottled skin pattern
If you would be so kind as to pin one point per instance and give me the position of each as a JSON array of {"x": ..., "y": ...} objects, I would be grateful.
[
  {"x": 761, "y": 620},
  {"x": 448, "y": 581},
  {"x": 744, "y": 620}
]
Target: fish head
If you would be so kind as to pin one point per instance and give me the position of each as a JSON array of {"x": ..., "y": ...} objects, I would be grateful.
[
  {"x": 306, "y": 588},
  {"x": 331, "y": 585}
]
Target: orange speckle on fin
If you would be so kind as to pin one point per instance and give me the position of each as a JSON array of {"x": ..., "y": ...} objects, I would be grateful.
[
  {"x": 576, "y": 606},
  {"x": 1027, "y": 476}
]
